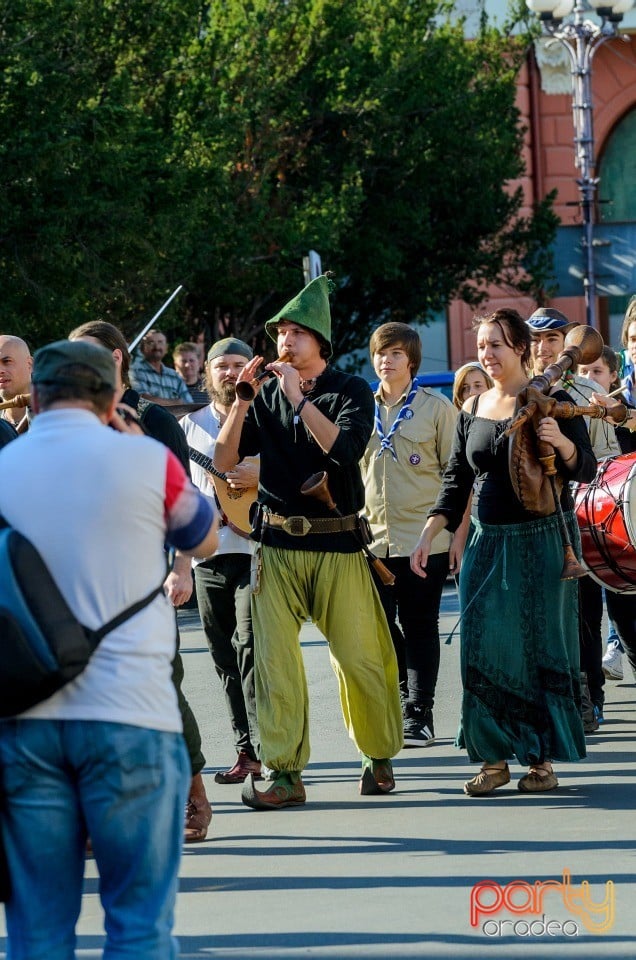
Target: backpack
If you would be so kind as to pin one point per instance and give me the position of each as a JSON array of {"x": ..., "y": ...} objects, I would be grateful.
[{"x": 42, "y": 644}]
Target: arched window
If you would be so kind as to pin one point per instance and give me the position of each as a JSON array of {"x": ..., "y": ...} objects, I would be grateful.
[
  {"x": 616, "y": 258},
  {"x": 617, "y": 171}
]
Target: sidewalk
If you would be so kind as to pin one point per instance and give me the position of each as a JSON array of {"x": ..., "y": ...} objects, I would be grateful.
[{"x": 369, "y": 877}]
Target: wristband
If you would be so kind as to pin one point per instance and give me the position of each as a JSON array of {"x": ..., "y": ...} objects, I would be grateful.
[{"x": 299, "y": 408}]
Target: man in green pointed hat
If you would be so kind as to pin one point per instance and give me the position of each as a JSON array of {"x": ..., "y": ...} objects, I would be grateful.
[{"x": 308, "y": 419}]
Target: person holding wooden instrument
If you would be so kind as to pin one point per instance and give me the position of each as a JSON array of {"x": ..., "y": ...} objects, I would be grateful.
[
  {"x": 519, "y": 656},
  {"x": 307, "y": 419},
  {"x": 15, "y": 381},
  {"x": 549, "y": 327},
  {"x": 223, "y": 580},
  {"x": 402, "y": 471}
]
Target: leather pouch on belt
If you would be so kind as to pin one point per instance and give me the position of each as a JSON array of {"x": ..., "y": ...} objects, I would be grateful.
[{"x": 364, "y": 529}]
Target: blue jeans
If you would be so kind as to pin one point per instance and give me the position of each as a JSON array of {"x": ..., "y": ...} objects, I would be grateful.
[{"x": 123, "y": 786}]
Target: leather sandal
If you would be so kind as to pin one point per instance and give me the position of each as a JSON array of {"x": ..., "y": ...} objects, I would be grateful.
[
  {"x": 538, "y": 780},
  {"x": 487, "y": 780}
]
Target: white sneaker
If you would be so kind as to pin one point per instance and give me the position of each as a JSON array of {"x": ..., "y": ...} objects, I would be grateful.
[{"x": 613, "y": 662}]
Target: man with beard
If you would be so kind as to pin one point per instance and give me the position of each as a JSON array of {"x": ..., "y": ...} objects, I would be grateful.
[
  {"x": 15, "y": 379},
  {"x": 162, "y": 426},
  {"x": 151, "y": 377},
  {"x": 223, "y": 580}
]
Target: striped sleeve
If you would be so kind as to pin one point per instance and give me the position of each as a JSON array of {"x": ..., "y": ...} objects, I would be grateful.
[{"x": 188, "y": 514}]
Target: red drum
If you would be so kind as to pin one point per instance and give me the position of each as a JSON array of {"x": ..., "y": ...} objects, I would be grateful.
[{"x": 606, "y": 513}]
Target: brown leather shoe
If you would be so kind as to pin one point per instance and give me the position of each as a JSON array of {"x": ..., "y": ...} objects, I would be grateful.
[
  {"x": 237, "y": 774},
  {"x": 198, "y": 812},
  {"x": 377, "y": 777},
  {"x": 538, "y": 780},
  {"x": 283, "y": 792},
  {"x": 487, "y": 780}
]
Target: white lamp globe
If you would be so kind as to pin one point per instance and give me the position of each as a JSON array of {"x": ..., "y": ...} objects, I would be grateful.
[
  {"x": 545, "y": 6},
  {"x": 621, "y": 7},
  {"x": 564, "y": 8}
]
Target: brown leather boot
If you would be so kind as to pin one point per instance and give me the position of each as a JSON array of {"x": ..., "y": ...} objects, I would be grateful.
[{"x": 198, "y": 812}]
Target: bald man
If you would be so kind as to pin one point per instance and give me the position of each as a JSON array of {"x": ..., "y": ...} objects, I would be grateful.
[{"x": 15, "y": 378}]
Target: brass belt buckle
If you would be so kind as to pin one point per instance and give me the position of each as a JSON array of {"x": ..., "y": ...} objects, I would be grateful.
[{"x": 296, "y": 526}]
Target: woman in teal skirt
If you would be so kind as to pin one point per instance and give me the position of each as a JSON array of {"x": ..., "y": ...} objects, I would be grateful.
[{"x": 520, "y": 648}]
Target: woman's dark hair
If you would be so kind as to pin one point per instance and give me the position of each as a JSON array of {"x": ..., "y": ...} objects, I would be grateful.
[
  {"x": 514, "y": 330},
  {"x": 110, "y": 337}
]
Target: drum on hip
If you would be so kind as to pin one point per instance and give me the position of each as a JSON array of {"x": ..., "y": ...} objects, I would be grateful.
[{"x": 606, "y": 514}]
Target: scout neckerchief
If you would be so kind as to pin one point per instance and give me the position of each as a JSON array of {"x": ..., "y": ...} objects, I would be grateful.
[{"x": 405, "y": 414}]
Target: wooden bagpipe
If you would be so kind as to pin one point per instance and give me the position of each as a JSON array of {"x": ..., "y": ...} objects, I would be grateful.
[{"x": 533, "y": 472}]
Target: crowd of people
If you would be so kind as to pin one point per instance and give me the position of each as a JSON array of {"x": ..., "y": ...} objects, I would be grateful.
[{"x": 263, "y": 489}]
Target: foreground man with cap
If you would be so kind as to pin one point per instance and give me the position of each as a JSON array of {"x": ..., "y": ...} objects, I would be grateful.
[
  {"x": 162, "y": 426},
  {"x": 105, "y": 753},
  {"x": 223, "y": 581},
  {"x": 307, "y": 419}
]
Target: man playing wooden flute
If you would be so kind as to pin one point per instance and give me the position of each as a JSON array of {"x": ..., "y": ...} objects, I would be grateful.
[{"x": 307, "y": 419}]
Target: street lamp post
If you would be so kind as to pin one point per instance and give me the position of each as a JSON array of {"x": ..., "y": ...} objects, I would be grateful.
[{"x": 582, "y": 38}]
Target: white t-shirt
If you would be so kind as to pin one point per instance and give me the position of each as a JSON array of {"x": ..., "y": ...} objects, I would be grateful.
[
  {"x": 201, "y": 429},
  {"x": 97, "y": 505}
]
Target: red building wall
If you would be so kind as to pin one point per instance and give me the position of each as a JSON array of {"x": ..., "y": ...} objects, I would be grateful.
[{"x": 549, "y": 160}]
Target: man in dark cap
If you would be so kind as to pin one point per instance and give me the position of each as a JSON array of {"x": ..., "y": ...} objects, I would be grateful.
[
  {"x": 223, "y": 581},
  {"x": 104, "y": 755},
  {"x": 307, "y": 419},
  {"x": 549, "y": 328}
]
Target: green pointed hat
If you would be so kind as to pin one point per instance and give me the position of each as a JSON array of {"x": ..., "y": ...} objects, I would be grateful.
[{"x": 309, "y": 308}]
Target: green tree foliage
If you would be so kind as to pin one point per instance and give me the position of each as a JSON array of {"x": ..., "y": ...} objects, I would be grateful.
[{"x": 147, "y": 144}]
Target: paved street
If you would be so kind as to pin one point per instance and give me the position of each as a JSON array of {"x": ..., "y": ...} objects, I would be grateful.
[{"x": 350, "y": 876}]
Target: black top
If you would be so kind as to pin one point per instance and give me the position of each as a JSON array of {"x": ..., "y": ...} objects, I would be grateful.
[
  {"x": 290, "y": 455},
  {"x": 160, "y": 425},
  {"x": 476, "y": 460}
]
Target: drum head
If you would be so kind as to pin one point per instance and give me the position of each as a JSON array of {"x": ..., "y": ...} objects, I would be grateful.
[{"x": 629, "y": 508}]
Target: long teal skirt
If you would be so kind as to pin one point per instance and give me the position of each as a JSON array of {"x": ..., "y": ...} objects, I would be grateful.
[{"x": 519, "y": 645}]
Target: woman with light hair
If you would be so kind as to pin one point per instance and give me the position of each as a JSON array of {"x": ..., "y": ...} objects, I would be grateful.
[{"x": 470, "y": 380}]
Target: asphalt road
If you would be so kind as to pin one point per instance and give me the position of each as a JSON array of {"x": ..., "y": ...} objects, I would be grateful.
[{"x": 349, "y": 876}]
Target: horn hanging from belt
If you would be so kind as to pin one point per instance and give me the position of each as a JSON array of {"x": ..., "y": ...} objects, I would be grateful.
[{"x": 531, "y": 461}]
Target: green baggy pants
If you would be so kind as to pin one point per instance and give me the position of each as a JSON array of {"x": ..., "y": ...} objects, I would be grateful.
[{"x": 337, "y": 592}]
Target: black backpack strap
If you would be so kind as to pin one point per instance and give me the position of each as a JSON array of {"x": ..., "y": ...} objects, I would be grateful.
[{"x": 96, "y": 635}]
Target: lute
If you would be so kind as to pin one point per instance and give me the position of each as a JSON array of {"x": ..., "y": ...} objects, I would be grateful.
[{"x": 235, "y": 505}]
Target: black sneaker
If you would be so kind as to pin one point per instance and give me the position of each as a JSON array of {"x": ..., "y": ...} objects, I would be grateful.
[{"x": 418, "y": 727}]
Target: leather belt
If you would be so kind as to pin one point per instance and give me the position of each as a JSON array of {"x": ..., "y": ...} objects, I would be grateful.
[{"x": 301, "y": 526}]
